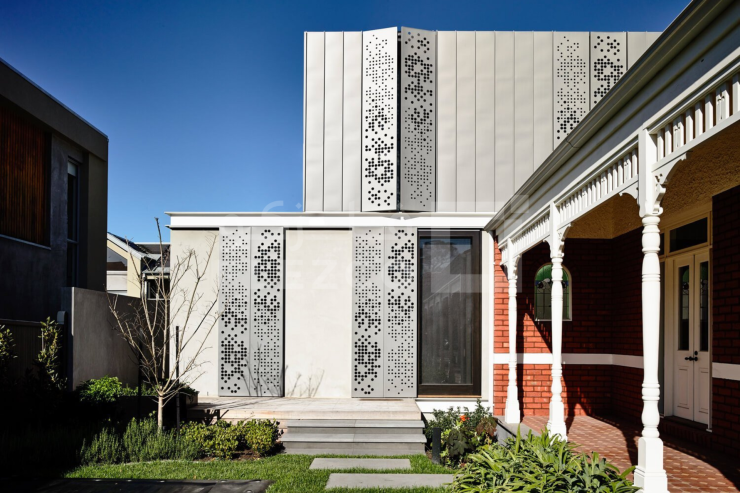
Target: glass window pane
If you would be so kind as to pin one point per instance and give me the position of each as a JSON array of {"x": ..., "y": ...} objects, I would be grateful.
[
  {"x": 447, "y": 293},
  {"x": 543, "y": 294},
  {"x": 704, "y": 306},
  {"x": 689, "y": 235},
  {"x": 683, "y": 314}
]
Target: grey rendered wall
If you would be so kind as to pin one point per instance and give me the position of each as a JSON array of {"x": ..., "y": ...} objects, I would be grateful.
[
  {"x": 97, "y": 349},
  {"x": 504, "y": 101},
  {"x": 201, "y": 241},
  {"x": 318, "y": 313}
]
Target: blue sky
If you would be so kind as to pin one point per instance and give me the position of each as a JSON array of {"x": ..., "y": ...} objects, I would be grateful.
[{"x": 202, "y": 101}]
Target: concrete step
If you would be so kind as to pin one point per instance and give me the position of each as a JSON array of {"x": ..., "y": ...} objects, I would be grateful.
[
  {"x": 386, "y": 481},
  {"x": 354, "y": 437},
  {"x": 376, "y": 464},
  {"x": 359, "y": 426},
  {"x": 353, "y": 448}
]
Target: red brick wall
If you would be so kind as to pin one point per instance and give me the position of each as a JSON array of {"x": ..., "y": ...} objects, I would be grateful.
[
  {"x": 627, "y": 392},
  {"x": 626, "y": 315},
  {"x": 726, "y": 317}
]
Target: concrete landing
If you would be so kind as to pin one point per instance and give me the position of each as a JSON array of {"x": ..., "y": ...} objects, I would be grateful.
[
  {"x": 342, "y": 480},
  {"x": 376, "y": 464},
  {"x": 287, "y": 408}
]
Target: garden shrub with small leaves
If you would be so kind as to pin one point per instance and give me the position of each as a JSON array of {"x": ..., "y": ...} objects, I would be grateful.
[{"x": 223, "y": 439}]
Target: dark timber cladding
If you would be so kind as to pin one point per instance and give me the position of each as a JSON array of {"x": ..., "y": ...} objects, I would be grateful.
[
  {"x": 24, "y": 179},
  {"x": 384, "y": 312},
  {"x": 251, "y": 303}
]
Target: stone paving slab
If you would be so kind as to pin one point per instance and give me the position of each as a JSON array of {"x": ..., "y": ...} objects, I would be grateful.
[
  {"x": 135, "y": 486},
  {"x": 320, "y": 463},
  {"x": 343, "y": 480}
]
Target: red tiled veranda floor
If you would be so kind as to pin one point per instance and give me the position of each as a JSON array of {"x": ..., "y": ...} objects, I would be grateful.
[{"x": 689, "y": 468}]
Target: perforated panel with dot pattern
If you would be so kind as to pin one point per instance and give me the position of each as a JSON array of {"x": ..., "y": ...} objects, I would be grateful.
[
  {"x": 384, "y": 312},
  {"x": 571, "y": 81},
  {"x": 367, "y": 312},
  {"x": 418, "y": 119},
  {"x": 266, "y": 335},
  {"x": 400, "y": 312},
  {"x": 251, "y": 299},
  {"x": 379, "y": 113},
  {"x": 233, "y": 327},
  {"x": 608, "y": 62}
]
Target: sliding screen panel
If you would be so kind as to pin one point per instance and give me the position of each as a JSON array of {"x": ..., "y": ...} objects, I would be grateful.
[
  {"x": 571, "y": 81},
  {"x": 446, "y": 121},
  {"x": 267, "y": 295},
  {"x": 234, "y": 370},
  {"x": 379, "y": 120},
  {"x": 399, "y": 341},
  {"x": 465, "y": 121},
  {"x": 352, "y": 121},
  {"x": 333, "y": 112},
  {"x": 485, "y": 122},
  {"x": 542, "y": 97},
  {"x": 524, "y": 104},
  {"x": 314, "y": 131},
  {"x": 367, "y": 312},
  {"x": 418, "y": 116},
  {"x": 608, "y": 63}
]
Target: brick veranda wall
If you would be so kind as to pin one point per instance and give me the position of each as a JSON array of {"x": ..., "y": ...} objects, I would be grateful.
[
  {"x": 726, "y": 317},
  {"x": 601, "y": 324}
]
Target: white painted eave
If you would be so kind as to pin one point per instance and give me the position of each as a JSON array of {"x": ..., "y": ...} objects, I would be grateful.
[{"x": 328, "y": 220}]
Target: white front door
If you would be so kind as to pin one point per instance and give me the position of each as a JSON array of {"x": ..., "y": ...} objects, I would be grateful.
[{"x": 691, "y": 378}]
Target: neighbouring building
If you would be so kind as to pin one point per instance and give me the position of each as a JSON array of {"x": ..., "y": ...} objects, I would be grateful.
[
  {"x": 54, "y": 196},
  {"x": 544, "y": 221},
  {"x": 132, "y": 263}
]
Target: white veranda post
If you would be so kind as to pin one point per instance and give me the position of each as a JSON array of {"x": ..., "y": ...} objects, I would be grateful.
[
  {"x": 649, "y": 473},
  {"x": 556, "y": 422},
  {"x": 511, "y": 412}
]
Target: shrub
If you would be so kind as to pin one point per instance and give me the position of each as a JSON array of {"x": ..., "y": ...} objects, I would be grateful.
[
  {"x": 104, "y": 390},
  {"x": 544, "y": 464},
  {"x": 49, "y": 357},
  {"x": 7, "y": 352},
  {"x": 141, "y": 441},
  {"x": 463, "y": 431},
  {"x": 223, "y": 439},
  {"x": 448, "y": 419}
]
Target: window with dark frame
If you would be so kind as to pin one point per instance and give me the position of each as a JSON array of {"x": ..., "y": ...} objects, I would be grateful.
[
  {"x": 449, "y": 341},
  {"x": 543, "y": 294}
]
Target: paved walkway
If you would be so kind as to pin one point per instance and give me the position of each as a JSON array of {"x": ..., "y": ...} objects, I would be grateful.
[
  {"x": 690, "y": 468},
  {"x": 386, "y": 481}
]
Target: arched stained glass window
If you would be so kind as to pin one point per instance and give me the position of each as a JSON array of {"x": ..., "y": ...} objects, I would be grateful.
[{"x": 543, "y": 293}]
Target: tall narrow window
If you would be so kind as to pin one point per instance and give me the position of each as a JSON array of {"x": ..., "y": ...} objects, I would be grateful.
[
  {"x": 449, "y": 315},
  {"x": 73, "y": 216},
  {"x": 543, "y": 293}
]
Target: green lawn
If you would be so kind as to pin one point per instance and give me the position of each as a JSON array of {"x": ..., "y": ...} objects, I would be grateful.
[{"x": 289, "y": 472}]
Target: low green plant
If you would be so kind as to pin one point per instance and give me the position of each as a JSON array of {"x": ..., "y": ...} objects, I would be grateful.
[
  {"x": 259, "y": 435},
  {"x": 141, "y": 441},
  {"x": 544, "y": 464},
  {"x": 223, "y": 439},
  {"x": 7, "y": 352},
  {"x": 449, "y": 418}
]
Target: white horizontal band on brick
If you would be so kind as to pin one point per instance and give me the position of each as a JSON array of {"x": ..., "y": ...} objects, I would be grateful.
[
  {"x": 572, "y": 359},
  {"x": 726, "y": 370}
]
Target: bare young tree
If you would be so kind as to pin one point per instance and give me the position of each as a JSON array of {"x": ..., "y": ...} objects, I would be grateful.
[{"x": 168, "y": 354}]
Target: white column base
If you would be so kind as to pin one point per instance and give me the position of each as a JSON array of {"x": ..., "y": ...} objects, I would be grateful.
[
  {"x": 651, "y": 477},
  {"x": 556, "y": 423},
  {"x": 511, "y": 411}
]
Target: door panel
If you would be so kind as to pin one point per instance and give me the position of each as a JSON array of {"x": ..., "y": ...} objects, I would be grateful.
[
  {"x": 683, "y": 367},
  {"x": 702, "y": 378}
]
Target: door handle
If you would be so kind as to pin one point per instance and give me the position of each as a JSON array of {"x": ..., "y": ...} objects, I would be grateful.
[{"x": 691, "y": 358}]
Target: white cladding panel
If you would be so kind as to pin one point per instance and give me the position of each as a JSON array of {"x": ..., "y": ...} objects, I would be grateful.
[
  {"x": 485, "y": 123},
  {"x": 314, "y": 136},
  {"x": 333, "y": 114},
  {"x": 500, "y": 102},
  {"x": 379, "y": 120},
  {"x": 418, "y": 95},
  {"x": 543, "y": 123},
  {"x": 446, "y": 121},
  {"x": 352, "y": 122},
  {"x": 465, "y": 121},
  {"x": 504, "y": 92},
  {"x": 524, "y": 104}
]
